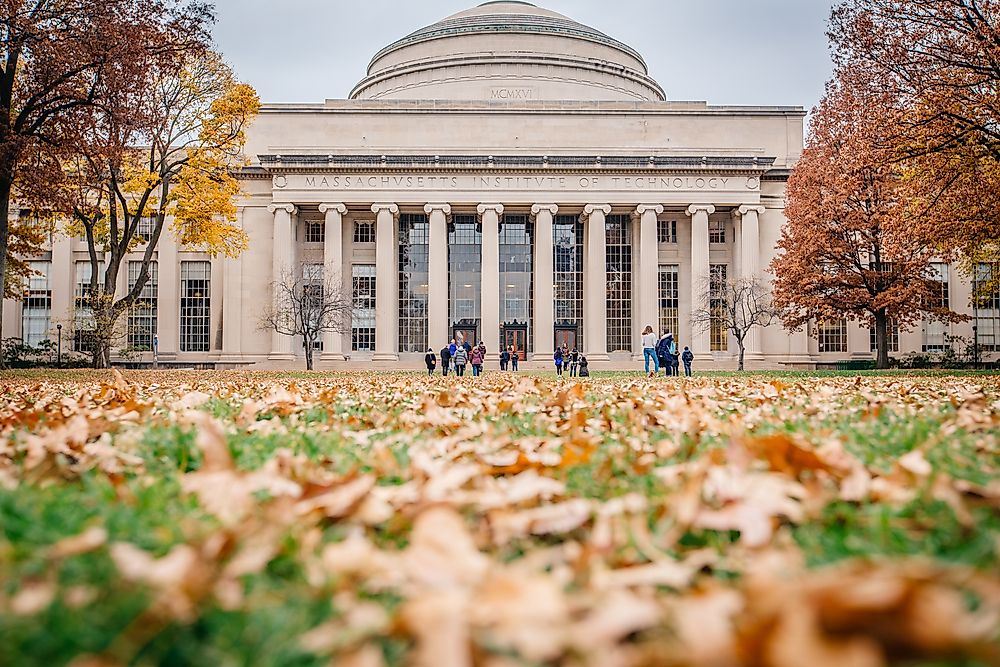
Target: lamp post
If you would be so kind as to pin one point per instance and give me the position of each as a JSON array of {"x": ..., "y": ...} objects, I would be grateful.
[{"x": 59, "y": 345}]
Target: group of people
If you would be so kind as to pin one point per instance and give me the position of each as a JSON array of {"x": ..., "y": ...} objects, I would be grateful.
[
  {"x": 455, "y": 356},
  {"x": 571, "y": 361},
  {"x": 662, "y": 352}
]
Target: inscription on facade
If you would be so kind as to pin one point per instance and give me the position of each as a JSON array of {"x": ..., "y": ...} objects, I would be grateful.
[
  {"x": 539, "y": 182},
  {"x": 512, "y": 94}
]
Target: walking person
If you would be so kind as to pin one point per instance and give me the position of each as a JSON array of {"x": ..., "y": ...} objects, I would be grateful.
[
  {"x": 574, "y": 362},
  {"x": 687, "y": 356},
  {"x": 445, "y": 360},
  {"x": 431, "y": 360},
  {"x": 461, "y": 357},
  {"x": 649, "y": 342},
  {"x": 558, "y": 358},
  {"x": 476, "y": 359},
  {"x": 504, "y": 359},
  {"x": 515, "y": 356}
]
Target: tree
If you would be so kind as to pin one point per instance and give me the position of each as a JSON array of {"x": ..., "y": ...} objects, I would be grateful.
[
  {"x": 852, "y": 247},
  {"x": 55, "y": 58},
  {"x": 308, "y": 305},
  {"x": 939, "y": 61},
  {"x": 192, "y": 120},
  {"x": 737, "y": 305}
]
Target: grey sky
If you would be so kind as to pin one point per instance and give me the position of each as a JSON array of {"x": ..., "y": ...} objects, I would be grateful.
[{"x": 721, "y": 51}]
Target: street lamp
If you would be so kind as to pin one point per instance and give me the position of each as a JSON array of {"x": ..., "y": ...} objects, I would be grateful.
[{"x": 59, "y": 345}]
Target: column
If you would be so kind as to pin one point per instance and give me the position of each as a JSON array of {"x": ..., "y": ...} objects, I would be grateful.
[
  {"x": 168, "y": 307},
  {"x": 649, "y": 267},
  {"x": 333, "y": 270},
  {"x": 232, "y": 301},
  {"x": 282, "y": 262},
  {"x": 749, "y": 250},
  {"x": 490, "y": 330},
  {"x": 386, "y": 279},
  {"x": 438, "y": 331},
  {"x": 699, "y": 213},
  {"x": 544, "y": 294},
  {"x": 595, "y": 298}
]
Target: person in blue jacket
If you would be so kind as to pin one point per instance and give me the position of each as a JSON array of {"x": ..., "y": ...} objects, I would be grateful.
[{"x": 558, "y": 358}]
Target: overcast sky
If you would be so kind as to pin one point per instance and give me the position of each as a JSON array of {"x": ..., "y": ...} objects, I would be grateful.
[{"x": 721, "y": 51}]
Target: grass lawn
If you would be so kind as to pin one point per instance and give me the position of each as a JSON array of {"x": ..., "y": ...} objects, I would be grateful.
[{"x": 362, "y": 519}]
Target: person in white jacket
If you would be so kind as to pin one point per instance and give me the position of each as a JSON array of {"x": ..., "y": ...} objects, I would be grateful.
[{"x": 649, "y": 351}]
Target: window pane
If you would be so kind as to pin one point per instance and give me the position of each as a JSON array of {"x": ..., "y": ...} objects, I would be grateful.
[
  {"x": 142, "y": 315},
  {"x": 465, "y": 251},
  {"x": 516, "y": 305},
  {"x": 363, "y": 317},
  {"x": 618, "y": 229},
  {"x": 567, "y": 249},
  {"x": 669, "y": 299},
  {"x": 718, "y": 332},
  {"x": 195, "y": 306},
  {"x": 414, "y": 233}
]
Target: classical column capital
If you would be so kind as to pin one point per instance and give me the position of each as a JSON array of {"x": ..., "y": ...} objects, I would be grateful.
[
  {"x": 707, "y": 209},
  {"x": 743, "y": 210},
  {"x": 645, "y": 208},
  {"x": 483, "y": 208},
  {"x": 590, "y": 209},
  {"x": 287, "y": 208},
  {"x": 391, "y": 208},
  {"x": 444, "y": 208},
  {"x": 538, "y": 208},
  {"x": 326, "y": 207}
]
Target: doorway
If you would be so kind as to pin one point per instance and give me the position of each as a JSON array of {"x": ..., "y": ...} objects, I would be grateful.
[
  {"x": 516, "y": 336},
  {"x": 465, "y": 332},
  {"x": 566, "y": 335}
]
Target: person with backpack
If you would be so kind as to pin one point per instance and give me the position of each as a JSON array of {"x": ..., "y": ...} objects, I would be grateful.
[
  {"x": 461, "y": 357},
  {"x": 649, "y": 342},
  {"x": 663, "y": 350},
  {"x": 558, "y": 358},
  {"x": 504, "y": 359},
  {"x": 584, "y": 368},
  {"x": 445, "y": 360},
  {"x": 574, "y": 362},
  {"x": 476, "y": 359},
  {"x": 431, "y": 360},
  {"x": 687, "y": 356}
]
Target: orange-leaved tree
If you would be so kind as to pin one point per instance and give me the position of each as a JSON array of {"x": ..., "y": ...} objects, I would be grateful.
[
  {"x": 55, "y": 58},
  {"x": 940, "y": 60},
  {"x": 168, "y": 164},
  {"x": 850, "y": 249}
]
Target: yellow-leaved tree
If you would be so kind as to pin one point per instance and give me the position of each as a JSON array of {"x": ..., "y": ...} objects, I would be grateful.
[{"x": 169, "y": 165}]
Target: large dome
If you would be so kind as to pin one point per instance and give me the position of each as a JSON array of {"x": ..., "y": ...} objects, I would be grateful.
[{"x": 508, "y": 51}]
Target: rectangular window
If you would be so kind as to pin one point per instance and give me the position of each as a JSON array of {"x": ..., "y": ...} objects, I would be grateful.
[
  {"x": 37, "y": 305},
  {"x": 718, "y": 331},
  {"x": 832, "y": 336},
  {"x": 315, "y": 231},
  {"x": 986, "y": 305},
  {"x": 414, "y": 236},
  {"x": 144, "y": 230},
  {"x": 935, "y": 332},
  {"x": 516, "y": 306},
  {"x": 142, "y": 314},
  {"x": 666, "y": 231},
  {"x": 669, "y": 300},
  {"x": 716, "y": 231},
  {"x": 893, "y": 330},
  {"x": 195, "y": 306},
  {"x": 83, "y": 317},
  {"x": 364, "y": 231},
  {"x": 465, "y": 273},
  {"x": 618, "y": 229},
  {"x": 567, "y": 261},
  {"x": 363, "y": 317}
]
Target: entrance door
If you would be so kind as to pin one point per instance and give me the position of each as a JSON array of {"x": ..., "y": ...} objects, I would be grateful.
[
  {"x": 516, "y": 336},
  {"x": 565, "y": 336}
]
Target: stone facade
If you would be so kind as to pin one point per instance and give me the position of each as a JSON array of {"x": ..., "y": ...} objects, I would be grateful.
[{"x": 509, "y": 175}]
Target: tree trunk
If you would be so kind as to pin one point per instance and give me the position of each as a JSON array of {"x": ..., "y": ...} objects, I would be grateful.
[
  {"x": 739, "y": 343},
  {"x": 309, "y": 355},
  {"x": 882, "y": 338},
  {"x": 6, "y": 185}
]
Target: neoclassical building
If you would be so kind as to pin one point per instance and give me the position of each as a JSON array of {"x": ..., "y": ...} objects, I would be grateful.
[{"x": 506, "y": 175}]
